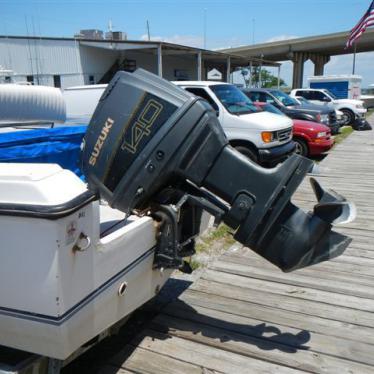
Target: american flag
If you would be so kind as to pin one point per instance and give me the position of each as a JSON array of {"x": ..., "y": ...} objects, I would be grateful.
[{"x": 366, "y": 21}]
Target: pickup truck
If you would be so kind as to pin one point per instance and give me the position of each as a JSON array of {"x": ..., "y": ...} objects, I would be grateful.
[
  {"x": 292, "y": 108},
  {"x": 263, "y": 137},
  {"x": 352, "y": 109}
]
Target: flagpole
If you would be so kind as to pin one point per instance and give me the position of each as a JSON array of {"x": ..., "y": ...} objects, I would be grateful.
[{"x": 354, "y": 58}]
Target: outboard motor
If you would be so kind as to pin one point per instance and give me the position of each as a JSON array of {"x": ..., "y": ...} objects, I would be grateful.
[{"x": 157, "y": 149}]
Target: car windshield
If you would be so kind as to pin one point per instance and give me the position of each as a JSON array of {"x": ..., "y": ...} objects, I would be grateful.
[
  {"x": 272, "y": 109},
  {"x": 302, "y": 100},
  {"x": 284, "y": 98},
  {"x": 331, "y": 94},
  {"x": 234, "y": 100}
]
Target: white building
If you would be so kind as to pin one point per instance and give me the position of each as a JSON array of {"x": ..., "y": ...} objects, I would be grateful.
[{"x": 65, "y": 62}]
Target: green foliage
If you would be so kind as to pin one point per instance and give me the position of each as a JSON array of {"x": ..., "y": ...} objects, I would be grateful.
[
  {"x": 345, "y": 131},
  {"x": 217, "y": 239},
  {"x": 268, "y": 80},
  {"x": 221, "y": 235},
  {"x": 194, "y": 264}
]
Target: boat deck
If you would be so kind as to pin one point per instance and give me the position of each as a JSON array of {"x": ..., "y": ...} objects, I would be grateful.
[{"x": 245, "y": 316}]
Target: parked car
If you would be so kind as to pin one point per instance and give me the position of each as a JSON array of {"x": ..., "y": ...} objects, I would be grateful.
[
  {"x": 352, "y": 109},
  {"x": 292, "y": 108},
  {"x": 311, "y": 138},
  {"x": 339, "y": 114},
  {"x": 263, "y": 137},
  {"x": 302, "y": 100}
]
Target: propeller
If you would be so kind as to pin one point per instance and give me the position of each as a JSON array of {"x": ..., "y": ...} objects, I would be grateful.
[{"x": 332, "y": 207}]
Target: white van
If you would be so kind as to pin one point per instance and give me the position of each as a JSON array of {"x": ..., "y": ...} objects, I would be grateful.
[{"x": 262, "y": 136}]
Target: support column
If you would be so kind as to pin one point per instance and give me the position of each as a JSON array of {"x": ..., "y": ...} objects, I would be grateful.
[
  {"x": 250, "y": 73},
  {"x": 298, "y": 59},
  {"x": 199, "y": 66},
  {"x": 228, "y": 69},
  {"x": 259, "y": 83},
  {"x": 319, "y": 63},
  {"x": 279, "y": 73},
  {"x": 159, "y": 61}
]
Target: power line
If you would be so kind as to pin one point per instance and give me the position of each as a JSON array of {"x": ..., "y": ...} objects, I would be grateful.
[{"x": 29, "y": 48}]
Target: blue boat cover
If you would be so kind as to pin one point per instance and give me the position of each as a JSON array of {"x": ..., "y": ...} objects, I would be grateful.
[{"x": 59, "y": 145}]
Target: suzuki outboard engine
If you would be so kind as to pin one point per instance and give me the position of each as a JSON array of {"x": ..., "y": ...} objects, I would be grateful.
[{"x": 157, "y": 149}]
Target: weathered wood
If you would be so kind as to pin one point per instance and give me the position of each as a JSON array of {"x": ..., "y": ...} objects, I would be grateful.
[
  {"x": 288, "y": 302},
  {"x": 345, "y": 258},
  {"x": 295, "y": 279},
  {"x": 108, "y": 369},
  {"x": 271, "y": 334},
  {"x": 359, "y": 252},
  {"x": 207, "y": 356},
  {"x": 321, "y": 271},
  {"x": 141, "y": 360},
  {"x": 338, "y": 265},
  {"x": 366, "y": 271},
  {"x": 357, "y": 234},
  {"x": 305, "y": 293},
  {"x": 267, "y": 350},
  {"x": 265, "y": 313}
]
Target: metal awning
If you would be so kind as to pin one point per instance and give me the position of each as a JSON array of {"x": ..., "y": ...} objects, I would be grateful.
[{"x": 210, "y": 57}]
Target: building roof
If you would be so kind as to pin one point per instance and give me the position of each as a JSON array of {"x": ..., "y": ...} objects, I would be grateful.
[
  {"x": 199, "y": 83},
  {"x": 254, "y": 89},
  {"x": 328, "y": 44},
  {"x": 171, "y": 48}
]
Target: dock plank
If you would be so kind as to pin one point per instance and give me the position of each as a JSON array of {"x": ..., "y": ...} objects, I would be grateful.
[
  {"x": 262, "y": 340},
  {"x": 254, "y": 348},
  {"x": 287, "y": 302},
  {"x": 208, "y": 356},
  {"x": 293, "y": 291},
  {"x": 347, "y": 331},
  {"x": 297, "y": 279},
  {"x": 146, "y": 361}
]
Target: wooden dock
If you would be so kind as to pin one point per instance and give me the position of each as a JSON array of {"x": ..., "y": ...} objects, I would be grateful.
[{"x": 245, "y": 316}]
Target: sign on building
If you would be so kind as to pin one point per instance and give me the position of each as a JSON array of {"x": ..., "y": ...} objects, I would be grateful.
[{"x": 214, "y": 75}]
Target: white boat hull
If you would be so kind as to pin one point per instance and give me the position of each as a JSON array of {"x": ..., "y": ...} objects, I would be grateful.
[
  {"x": 59, "y": 338},
  {"x": 53, "y": 297}
]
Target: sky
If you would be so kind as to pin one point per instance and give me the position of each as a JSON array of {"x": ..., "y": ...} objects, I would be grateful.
[{"x": 224, "y": 23}]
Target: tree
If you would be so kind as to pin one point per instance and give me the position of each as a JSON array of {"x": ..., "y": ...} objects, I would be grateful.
[{"x": 267, "y": 79}]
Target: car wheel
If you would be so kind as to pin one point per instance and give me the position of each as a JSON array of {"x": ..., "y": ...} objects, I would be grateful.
[
  {"x": 301, "y": 147},
  {"x": 247, "y": 152},
  {"x": 348, "y": 116}
]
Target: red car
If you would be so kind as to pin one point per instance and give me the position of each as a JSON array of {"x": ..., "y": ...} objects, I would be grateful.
[{"x": 311, "y": 138}]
